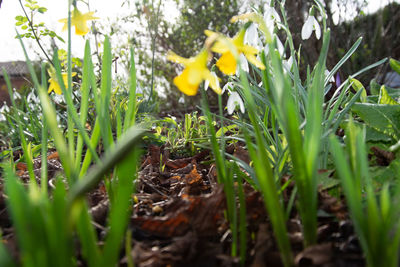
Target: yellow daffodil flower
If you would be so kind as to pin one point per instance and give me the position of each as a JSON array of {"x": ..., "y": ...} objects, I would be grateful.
[
  {"x": 79, "y": 20},
  {"x": 54, "y": 85},
  {"x": 227, "y": 62},
  {"x": 194, "y": 73}
]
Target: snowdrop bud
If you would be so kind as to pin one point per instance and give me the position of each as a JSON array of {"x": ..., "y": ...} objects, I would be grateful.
[
  {"x": 181, "y": 100},
  {"x": 234, "y": 100},
  {"x": 338, "y": 81}
]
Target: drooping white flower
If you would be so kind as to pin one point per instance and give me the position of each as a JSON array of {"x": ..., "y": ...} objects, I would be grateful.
[
  {"x": 287, "y": 64},
  {"x": 228, "y": 86},
  {"x": 207, "y": 82},
  {"x": 16, "y": 94},
  {"x": 271, "y": 16},
  {"x": 280, "y": 47},
  {"x": 2, "y": 117},
  {"x": 332, "y": 79},
  {"x": 181, "y": 100},
  {"x": 233, "y": 101},
  {"x": 310, "y": 25},
  {"x": 251, "y": 35},
  {"x": 5, "y": 107}
]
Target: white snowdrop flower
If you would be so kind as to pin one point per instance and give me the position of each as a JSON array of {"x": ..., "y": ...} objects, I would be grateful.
[
  {"x": 181, "y": 100},
  {"x": 309, "y": 26},
  {"x": 16, "y": 94},
  {"x": 228, "y": 86},
  {"x": 58, "y": 98},
  {"x": 281, "y": 48},
  {"x": 233, "y": 101},
  {"x": 207, "y": 83},
  {"x": 287, "y": 64},
  {"x": 32, "y": 98},
  {"x": 332, "y": 79},
  {"x": 270, "y": 16},
  {"x": 5, "y": 107},
  {"x": 2, "y": 117},
  {"x": 243, "y": 64},
  {"x": 251, "y": 35}
]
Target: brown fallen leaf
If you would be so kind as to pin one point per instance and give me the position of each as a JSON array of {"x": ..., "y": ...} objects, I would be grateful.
[
  {"x": 383, "y": 157},
  {"x": 184, "y": 214}
]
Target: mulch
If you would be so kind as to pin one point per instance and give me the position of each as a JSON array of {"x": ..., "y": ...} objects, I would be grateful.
[{"x": 178, "y": 218}]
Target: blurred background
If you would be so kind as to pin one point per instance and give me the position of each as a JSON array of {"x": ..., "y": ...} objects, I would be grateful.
[{"x": 155, "y": 27}]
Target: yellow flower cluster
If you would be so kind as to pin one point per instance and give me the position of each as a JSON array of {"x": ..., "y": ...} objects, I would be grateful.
[{"x": 196, "y": 70}]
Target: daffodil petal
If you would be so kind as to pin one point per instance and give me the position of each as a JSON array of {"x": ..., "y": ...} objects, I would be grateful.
[
  {"x": 209, "y": 33},
  {"x": 227, "y": 63},
  {"x": 220, "y": 47},
  {"x": 247, "y": 49},
  {"x": 177, "y": 59},
  {"x": 253, "y": 60},
  {"x": 79, "y": 20},
  {"x": 54, "y": 86}
]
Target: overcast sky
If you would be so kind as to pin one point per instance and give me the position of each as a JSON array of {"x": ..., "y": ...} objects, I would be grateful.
[{"x": 10, "y": 48}]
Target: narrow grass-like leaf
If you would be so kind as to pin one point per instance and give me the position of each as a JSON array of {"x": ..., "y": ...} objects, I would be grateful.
[
  {"x": 130, "y": 116},
  {"x": 266, "y": 180},
  {"x": 105, "y": 94},
  {"x": 85, "y": 89},
  {"x": 49, "y": 113},
  {"x": 395, "y": 65},
  {"x": 119, "y": 213},
  {"x": 87, "y": 235},
  {"x": 111, "y": 158}
]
